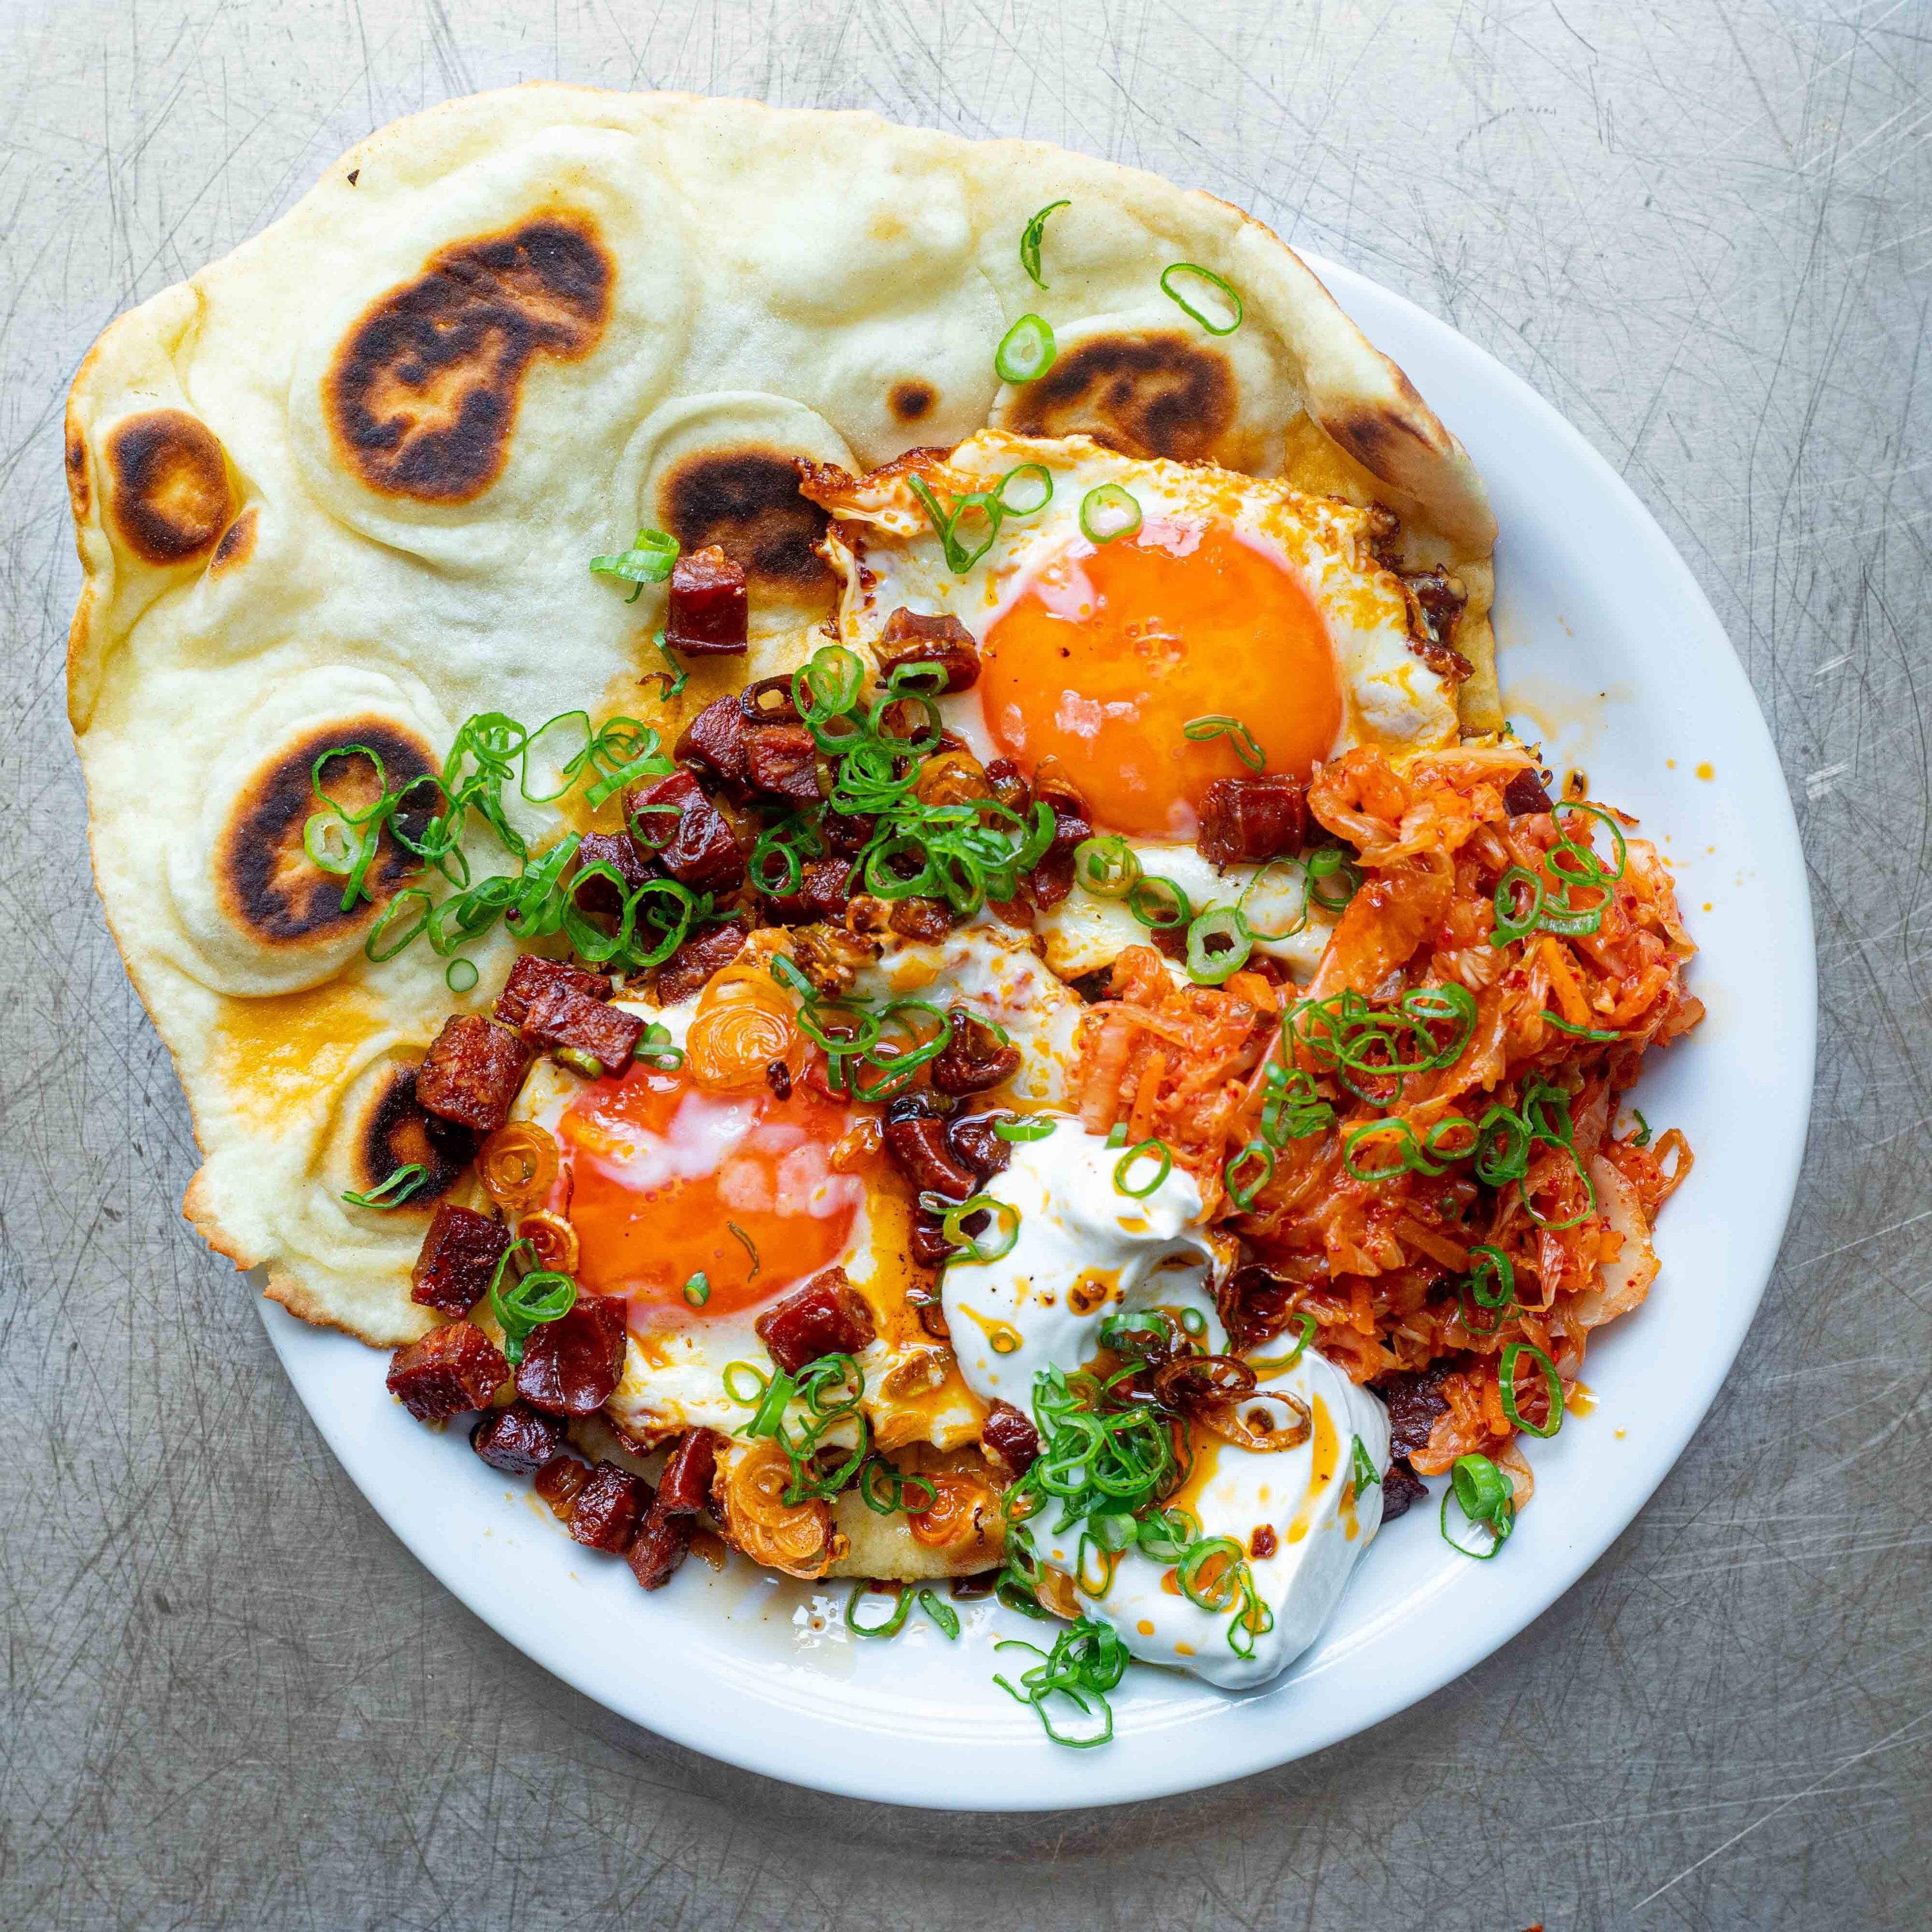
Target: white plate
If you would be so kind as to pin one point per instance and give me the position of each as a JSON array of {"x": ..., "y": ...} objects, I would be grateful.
[{"x": 1610, "y": 651}]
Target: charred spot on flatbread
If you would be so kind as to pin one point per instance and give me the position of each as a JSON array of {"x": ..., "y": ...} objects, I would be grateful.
[
  {"x": 398, "y": 1131},
  {"x": 745, "y": 500},
  {"x": 913, "y": 402},
  {"x": 172, "y": 497},
  {"x": 1378, "y": 438},
  {"x": 79, "y": 491},
  {"x": 267, "y": 881},
  {"x": 238, "y": 542},
  {"x": 422, "y": 395},
  {"x": 1148, "y": 393}
]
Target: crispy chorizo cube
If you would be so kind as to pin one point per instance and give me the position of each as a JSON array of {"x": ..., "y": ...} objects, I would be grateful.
[
  {"x": 708, "y": 615},
  {"x": 661, "y": 1545},
  {"x": 459, "y": 1254},
  {"x": 1052, "y": 879},
  {"x": 685, "y": 832},
  {"x": 572, "y": 1366},
  {"x": 914, "y": 637},
  {"x": 929, "y": 920},
  {"x": 531, "y": 976},
  {"x": 451, "y": 1369},
  {"x": 560, "y": 1482},
  {"x": 972, "y": 1061},
  {"x": 916, "y": 1145},
  {"x": 609, "y": 1506},
  {"x": 472, "y": 1072},
  {"x": 518, "y": 1440},
  {"x": 686, "y": 1487},
  {"x": 974, "y": 1140},
  {"x": 693, "y": 964},
  {"x": 562, "y": 1017},
  {"x": 714, "y": 741},
  {"x": 597, "y": 894},
  {"x": 783, "y": 760},
  {"x": 822, "y": 894},
  {"x": 1525, "y": 794},
  {"x": 1245, "y": 820},
  {"x": 827, "y": 1316},
  {"x": 1011, "y": 1437}
]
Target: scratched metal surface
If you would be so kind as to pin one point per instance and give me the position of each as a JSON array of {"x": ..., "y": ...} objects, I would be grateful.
[{"x": 232, "y": 1699}]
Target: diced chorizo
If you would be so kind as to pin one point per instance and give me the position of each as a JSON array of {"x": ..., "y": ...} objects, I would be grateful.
[
  {"x": 1525, "y": 794},
  {"x": 1244, "y": 821},
  {"x": 707, "y": 614},
  {"x": 777, "y": 1077},
  {"x": 661, "y": 1545},
  {"x": 452, "y": 1368},
  {"x": 609, "y": 1507},
  {"x": 848, "y": 832},
  {"x": 472, "y": 1072},
  {"x": 973, "y": 1138},
  {"x": 1401, "y": 1487},
  {"x": 459, "y": 1252},
  {"x": 1440, "y": 598},
  {"x": 693, "y": 964},
  {"x": 927, "y": 1243},
  {"x": 714, "y": 741},
  {"x": 1008, "y": 1434},
  {"x": 518, "y": 1440},
  {"x": 914, "y": 637},
  {"x": 1007, "y": 783},
  {"x": 619, "y": 851},
  {"x": 827, "y": 1316},
  {"x": 686, "y": 1489},
  {"x": 560, "y": 1482},
  {"x": 1414, "y": 1402},
  {"x": 685, "y": 832},
  {"x": 1052, "y": 878},
  {"x": 561, "y": 1017},
  {"x": 573, "y": 1365},
  {"x": 824, "y": 891},
  {"x": 915, "y": 1137},
  {"x": 927, "y": 920},
  {"x": 781, "y": 760},
  {"x": 973, "y": 1059},
  {"x": 531, "y": 976}
]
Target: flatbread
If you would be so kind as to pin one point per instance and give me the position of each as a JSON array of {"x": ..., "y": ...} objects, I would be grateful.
[{"x": 342, "y": 486}]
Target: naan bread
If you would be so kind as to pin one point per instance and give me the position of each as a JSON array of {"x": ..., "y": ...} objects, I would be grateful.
[{"x": 342, "y": 487}]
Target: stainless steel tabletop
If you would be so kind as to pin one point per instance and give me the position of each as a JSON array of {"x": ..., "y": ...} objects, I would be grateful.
[{"x": 1703, "y": 231}]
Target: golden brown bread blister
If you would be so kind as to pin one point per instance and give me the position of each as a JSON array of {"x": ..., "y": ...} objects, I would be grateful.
[{"x": 343, "y": 485}]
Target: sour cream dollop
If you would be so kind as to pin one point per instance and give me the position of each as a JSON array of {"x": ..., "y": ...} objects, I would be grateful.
[{"x": 1085, "y": 1250}]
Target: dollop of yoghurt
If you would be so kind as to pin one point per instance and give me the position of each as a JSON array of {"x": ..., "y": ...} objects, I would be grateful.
[{"x": 1085, "y": 1250}]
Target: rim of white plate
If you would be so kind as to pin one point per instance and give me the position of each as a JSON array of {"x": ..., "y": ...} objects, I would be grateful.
[{"x": 733, "y": 1667}]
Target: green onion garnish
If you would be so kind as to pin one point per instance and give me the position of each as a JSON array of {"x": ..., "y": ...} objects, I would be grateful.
[
  {"x": 1163, "y": 1156},
  {"x": 1553, "y": 1384},
  {"x": 648, "y": 560},
  {"x": 746, "y": 1242},
  {"x": 1363, "y": 1469},
  {"x": 1368, "y": 1046},
  {"x": 1213, "y": 325},
  {"x": 1487, "y": 1500},
  {"x": 673, "y": 677},
  {"x": 1641, "y": 1137},
  {"x": 394, "y": 1191},
  {"x": 459, "y": 975},
  {"x": 654, "y": 1048},
  {"x": 1106, "y": 866},
  {"x": 1107, "y": 512},
  {"x": 1026, "y": 351},
  {"x": 1277, "y": 1365},
  {"x": 993, "y": 1242},
  {"x": 697, "y": 1289},
  {"x": 942, "y": 1613},
  {"x": 1201, "y": 730},
  {"x": 1036, "y": 1128},
  {"x": 523, "y": 1306},
  {"x": 884, "y": 1489},
  {"x": 1242, "y": 1191},
  {"x": 1030, "y": 241},
  {"x": 1218, "y": 944},
  {"x": 1158, "y": 903},
  {"x": 893, "y": 1624},
  {"x": 1117, "y": 1134},
  {"x": 1087, "y": 1661},
  {"x": 1580, "y": 1032},
  {"x": 990, "y": 507}
]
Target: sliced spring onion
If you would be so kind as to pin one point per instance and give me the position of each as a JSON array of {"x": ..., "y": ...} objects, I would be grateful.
[
  {"x": 1030, "y": 241},
  {"x": 1553, "y": 1384},
  {"x": 648, "y": 560},
  {"x": 654, "y": 1048},
  {"x": 1106, "y": 867},
  {"x": 741, "y": 1371},
  {"x": 1241, "y": 1192},
  {"x": 459, "y": 975},
  {"x": 1218, "y": 944},
  {"x": 393, "y": 1191},
  {"x": 750, "y": 1247},
  {"x": 1485, "y": 1497},
  {"x": 1158, "y": 903},
  {"x": 893, "y": 1624},
  {"x": 1087, "y": 1661},
  {"x": 697, "y": 1289},
  {"x": 1117, "y": 1134},
  {"x": 1202, "y": 729},
  {"x": 990, "y": 1244},
  {"x": 1163, "y": 1155},
  {"x": 1036, "y": 1128},
  {"x": 1276, "y": 1365},
  {"x": 1642, "y": 1137},
  {"x": 1363, "y": 1469},
  {"x": 1580, "y": 1032},
  {"x": 1227, "y": 321},
  {"x": 1107, "y": 512},
  {"x": 942, "y": 1613},
  {"x": 1033, "y": 472},
  {"x": 521, "y": 1307},
  {"x": 1026, "y": 351}
]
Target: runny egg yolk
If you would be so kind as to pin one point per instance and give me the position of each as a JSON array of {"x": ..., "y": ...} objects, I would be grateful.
[
  {"x": 1111, "y": 649},
  {"x": 659, "y": 1172}
]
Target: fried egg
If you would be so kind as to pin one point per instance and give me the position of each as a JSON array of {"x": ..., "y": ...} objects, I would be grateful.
[
  {"x": 1228, "y": 597},
  {"x": 663, "y": 1178}
]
